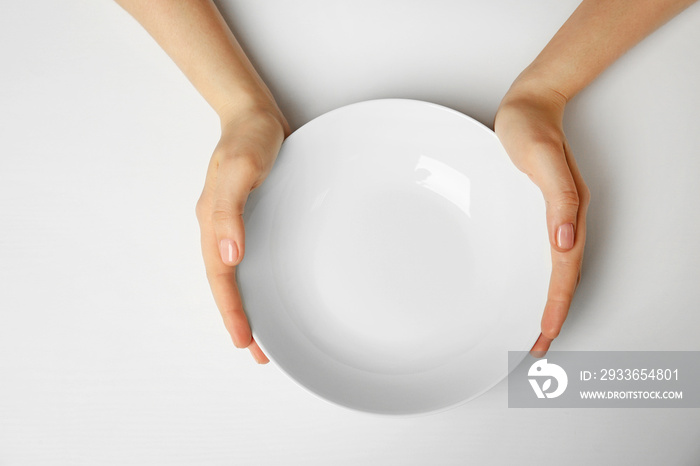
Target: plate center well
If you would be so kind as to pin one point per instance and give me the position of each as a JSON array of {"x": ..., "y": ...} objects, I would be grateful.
[{"x": 391, "y": 278}]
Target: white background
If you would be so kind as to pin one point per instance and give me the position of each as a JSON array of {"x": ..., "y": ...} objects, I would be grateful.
[{"x": 111, "y": 348}]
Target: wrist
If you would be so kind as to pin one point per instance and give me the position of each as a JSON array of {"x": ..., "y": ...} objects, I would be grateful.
[
  {"x": 534, "y": 89},
  {"x": 558, "y": 71},
  {"x": 258, "y": 106}
]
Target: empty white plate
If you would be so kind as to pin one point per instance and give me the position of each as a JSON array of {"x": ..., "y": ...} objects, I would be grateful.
[{"x": 393, "y": 257}]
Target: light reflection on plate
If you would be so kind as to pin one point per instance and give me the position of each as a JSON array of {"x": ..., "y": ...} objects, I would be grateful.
[{"x": 393, "y": 256}]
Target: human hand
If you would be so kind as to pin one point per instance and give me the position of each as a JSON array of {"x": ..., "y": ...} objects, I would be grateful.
[
  {"x": 529, "y": 124},
  {"x": 250, "y": 141}
]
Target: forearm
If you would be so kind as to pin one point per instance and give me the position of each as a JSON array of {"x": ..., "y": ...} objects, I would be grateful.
[
  {"x": 196, "y": 37},
  {"x": 595, "y": 35}
]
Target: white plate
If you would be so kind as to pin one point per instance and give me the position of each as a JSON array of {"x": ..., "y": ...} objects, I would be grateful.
[{"x": 393, "y": 257}]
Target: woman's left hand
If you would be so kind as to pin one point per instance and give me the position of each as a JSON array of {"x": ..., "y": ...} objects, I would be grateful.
[{"x": 529, "y": 125}]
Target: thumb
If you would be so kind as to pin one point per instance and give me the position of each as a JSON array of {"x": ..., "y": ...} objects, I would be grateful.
[
  {"x": 234, "y": 181},
  {"x": 552, "y": 175}
]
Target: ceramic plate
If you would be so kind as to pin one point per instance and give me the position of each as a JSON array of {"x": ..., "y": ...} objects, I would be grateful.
[{"x": 393, "y": 257}]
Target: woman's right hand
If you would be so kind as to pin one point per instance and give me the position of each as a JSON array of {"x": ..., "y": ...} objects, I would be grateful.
[
  {"x": 250, "y": 141},
  {"x": 529, "y": 124}
]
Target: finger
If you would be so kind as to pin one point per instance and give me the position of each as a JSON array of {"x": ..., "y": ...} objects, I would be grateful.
[
  {"x": 257, "y": 353},
  {"x": 222, "y": 280},
  {"x": 234, "y": 180},
  {"x": 584, "y": 197},
  {"x": 584, "y": 193},
  {"x": 562, "y": 285},
  {"x": 549, "y": 168},
  {"x": 541, "y": 346},
  {"x": 566, "y": 269}
]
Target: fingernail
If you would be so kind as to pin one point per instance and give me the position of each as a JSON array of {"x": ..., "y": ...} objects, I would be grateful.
[
  {"x": 565, "y": 236},
  {"x": 229, "y": 251}
]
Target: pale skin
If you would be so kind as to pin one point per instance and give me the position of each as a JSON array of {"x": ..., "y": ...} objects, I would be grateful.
[{"x": 528, "y": 123}]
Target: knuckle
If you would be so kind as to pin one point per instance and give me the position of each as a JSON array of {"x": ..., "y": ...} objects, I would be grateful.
[
  {"x": 248, "y": 164},
  {"x": 220, "y": 275},
  {"x": 230, "y": 316},
  {"x": 570, "y": 263},
  {"x": 223, "y": 206},
  {"x": 222, "y": 214},
  {"x": 544, "y": 147},
  {"x": 585, "y": 195},
  {"x": 561, "y": 301},
  {"x": 568, "y": 198},
  {"x": 199, "y": 208},
  {"x": 569, "y": 270}
]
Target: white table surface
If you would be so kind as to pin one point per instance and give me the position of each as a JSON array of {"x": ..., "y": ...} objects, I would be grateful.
[{"x": 111, "y": 348}]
